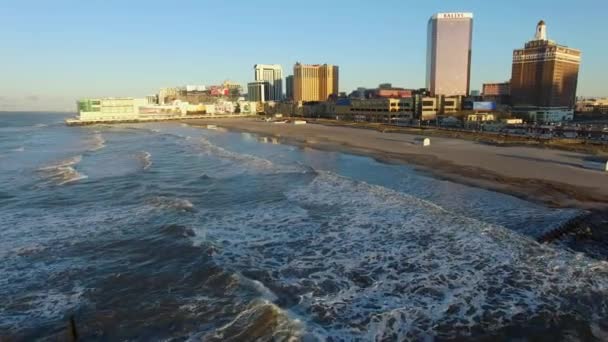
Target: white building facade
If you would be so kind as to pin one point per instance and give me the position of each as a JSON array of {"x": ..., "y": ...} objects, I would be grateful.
[{"x": 273, "y": 74}]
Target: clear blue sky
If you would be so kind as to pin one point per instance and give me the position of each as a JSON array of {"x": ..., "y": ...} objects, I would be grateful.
[{"x": 53, "y": 52}]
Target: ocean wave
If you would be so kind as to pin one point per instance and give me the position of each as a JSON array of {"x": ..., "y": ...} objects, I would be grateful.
[
  {"x": 37, "y": 307},
  {"x": 97, "y": 142},
  {"x": 261, "y": 320},
  {"x": 164, "y": 202},
  {"x": 146, "y": 159},
  {"x": 369, "y": 262},
  {"x": 63, "y": 171},
  {"x": 18, "y": 149},
  {"x": 250, "y": 162}
]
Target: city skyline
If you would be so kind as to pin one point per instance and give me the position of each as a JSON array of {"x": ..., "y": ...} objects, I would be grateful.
[{"x": 55, "y": 53}]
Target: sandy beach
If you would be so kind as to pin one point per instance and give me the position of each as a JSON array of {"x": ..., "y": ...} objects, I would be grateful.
[{"x": 554, "y": 177}]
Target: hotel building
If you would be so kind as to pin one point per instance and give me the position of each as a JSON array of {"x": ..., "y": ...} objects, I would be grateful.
[
  {"x": 449, "y": 43},
  {"x": 289, "y": 88},
  {"x": 273, "y": 74},
  {"x": 258, "y": 91},
  {"x": 314, "y": 82},
  {"x": 544, "y": 74}
]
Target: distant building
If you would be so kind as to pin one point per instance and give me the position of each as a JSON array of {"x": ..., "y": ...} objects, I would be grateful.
[
  {"x": 166, "y": 95},
  {"x": 544, "y": 74},
  {"x": 500, "y": 93},
  {"x": 430, "y": 107},
  {"x": 475, "y": 93},
  {"x": 374, "y": 110},
  {"x": 496, "y": 89},
  {"x": 258, "y": 91},
  {"x": 449, "y": 43},
  {"x": 314, "y": 82},
  {"x": 273, "y": 74},
  {"x": 592, "y": 105},
  {"x": 289, "y": 88},
  {"x": 233, "y": 87}
]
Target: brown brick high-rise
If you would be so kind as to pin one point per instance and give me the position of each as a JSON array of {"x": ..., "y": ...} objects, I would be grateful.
[{"x": 544, "y": 73}]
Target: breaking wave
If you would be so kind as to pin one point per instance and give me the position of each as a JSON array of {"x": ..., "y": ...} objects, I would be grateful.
[
  {"x": 251, "y": 162},
  {"x": 164, "y": 202},
  {"x": 98, "y": 142},
  {"x": 146, "y": 159},
  {"x": 386, "y": 265},
  {"x": 63, "y": 172}
]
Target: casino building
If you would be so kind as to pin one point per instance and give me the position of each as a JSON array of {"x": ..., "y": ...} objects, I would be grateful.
[
  {"x": 448, "y": 60},
  {"x": 544, "y": 74}
]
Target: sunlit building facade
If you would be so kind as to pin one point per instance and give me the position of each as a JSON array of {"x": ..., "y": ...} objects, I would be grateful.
[
  {"x": 273, "y": 75},
  {"x": 314, "y": 82},
  {"x": 449, "y": 44},
  {"x": 544, "y": 74}
]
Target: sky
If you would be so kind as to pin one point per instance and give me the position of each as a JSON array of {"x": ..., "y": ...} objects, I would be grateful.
[{"x": 54, "y": 52}]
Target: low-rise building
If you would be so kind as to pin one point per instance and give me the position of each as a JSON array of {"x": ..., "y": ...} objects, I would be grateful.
[
  {"x": 499, "y": 93},
  {"x": 380, "y": 109},
  {"x": 110, "y": 109},
  {"x": 592, "y": 105},
  {"x": 544, "y": 115},
  {"x": 481, "y": 117},
  {"x": 451, "y": 104},
  {"x": 430, "y": 107}
]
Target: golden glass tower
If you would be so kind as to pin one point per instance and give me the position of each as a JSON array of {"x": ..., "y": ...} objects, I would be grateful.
[{"x": 314, "y": 82}]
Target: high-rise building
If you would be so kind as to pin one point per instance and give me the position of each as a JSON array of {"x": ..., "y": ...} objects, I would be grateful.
[
  {"x": 314, "y": 82},
  {"x": 544, "y": 74},
  {"x": 273, "y": 74},
  {"x": 289, "y": 87},
  {"x": 258, "y": 91},
  {"x": 448, "y": 54}
]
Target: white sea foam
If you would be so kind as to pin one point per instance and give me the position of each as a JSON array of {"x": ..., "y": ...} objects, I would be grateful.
[
  {"x": 63, "y": 171},
  {"x": 164, "y": 202},
  {"x": 146, "y": 159},
  {"x": 261, "y": 320},
  {"x": 18, "y": 149},
  {"x": 249, "y": 162},
  {"x": 52, "y": 304},
  {"x": 97, "y": 142},
  {"x": 383, "y": 264}
]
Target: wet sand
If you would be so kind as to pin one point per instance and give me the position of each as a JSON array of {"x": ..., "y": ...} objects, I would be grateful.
[{"x": 553, "y": 177}]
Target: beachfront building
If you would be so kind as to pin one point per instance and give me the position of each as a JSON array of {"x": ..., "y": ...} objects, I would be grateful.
[
  {"x": 373, "y": 110},
  {"x": 233, "y": 87},
  {"x": 544, "y": 74},
  {"x": 451, "y": 104},
  {"x": 273, "y": 75},
  {"x": 499, "y": 93},
  {"x": 314, "y": 82},
  {"x": 166, "y": 95},
  {"x": 430, "y": 107},
  {"x": 258, "y": 91},
  {"x": 592, "y": 105},
  {"x": 544, "y": 115},
  {"x": 449, "y": 44},
  {"x": 289, "y": 88},
  {"x": 110, "y": 109}
]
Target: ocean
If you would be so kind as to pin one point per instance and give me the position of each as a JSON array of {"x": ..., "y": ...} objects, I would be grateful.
[{"x": 163, "y": 231}]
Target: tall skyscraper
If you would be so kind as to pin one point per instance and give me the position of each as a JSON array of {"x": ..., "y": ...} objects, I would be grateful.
[
  {"x": 289, "y": 87},
  {"x": 448, "y": 54},
  {"x": 273, "y": 74},
  {"x": 544, "y": 74},
  {"x": 314, "y": 82}
]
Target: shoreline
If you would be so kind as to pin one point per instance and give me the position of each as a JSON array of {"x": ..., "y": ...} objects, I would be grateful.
[{"x": 559, "y": 194}]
